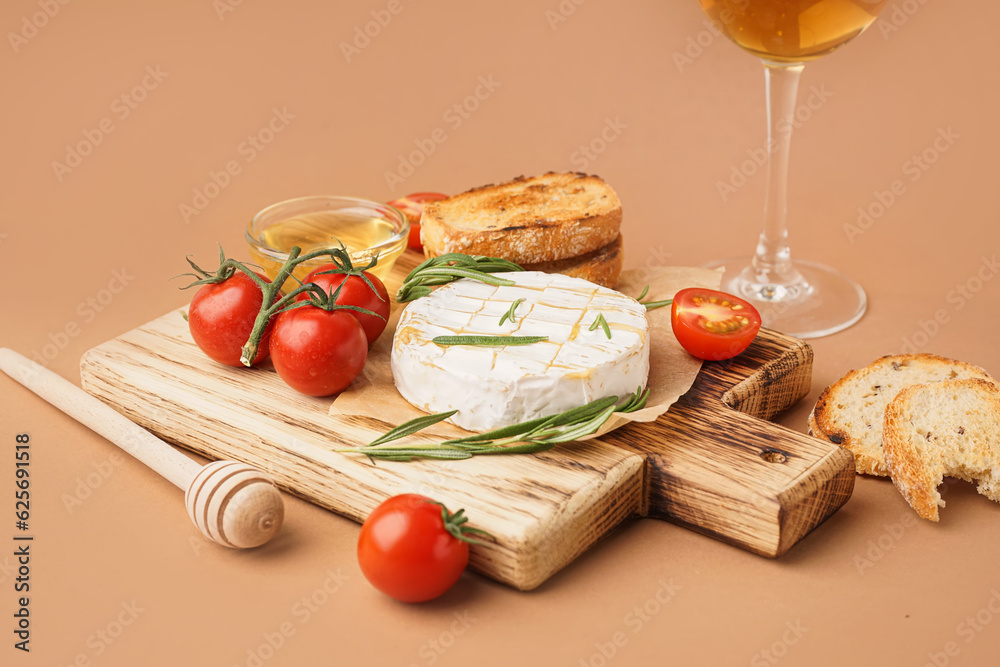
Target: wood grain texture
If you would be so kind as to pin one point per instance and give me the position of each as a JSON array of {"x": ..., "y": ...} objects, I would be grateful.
[
  {"x": 544, "y": 509},
  {"x": 711, "y": 463},
  {"x": 715, "y": 466},
  {"x": 231, "y": 503}
]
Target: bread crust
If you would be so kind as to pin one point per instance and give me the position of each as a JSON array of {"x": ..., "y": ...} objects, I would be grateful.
[
  {"x": 602, "y": 266},
  {"x": 969, "y": 452},
  {"x": 824, "y": 423},
  {"x": 527, "y": 220}
]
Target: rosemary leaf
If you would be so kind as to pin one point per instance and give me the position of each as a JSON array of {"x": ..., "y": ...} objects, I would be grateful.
[
  {"x": 509, "y": 315},
  {"x": 525, "y": 448},
  {"x": 452, "y": 266},
  {"x": 504, "y": 432},
  {"x": 411, "y": 427},
  {"x": 650, "y": 305},
  {"x": 586, "y": 428},
  {"x": 603, "y": 323},
  {"x": 488, "y": 341},
  {"x": 407, "y": 454},
  {"x": 537, "y": 435}
]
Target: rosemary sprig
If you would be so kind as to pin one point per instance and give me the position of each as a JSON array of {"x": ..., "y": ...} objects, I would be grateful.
[
  {"x": 488, "y": 341},
  {"x": 509, "y": 315},
  {"x": 603, "y": 323},
  {"x": 650, "y": 305},
  {"x": 453, "y": 266},
  {"x": 537, "y": 435},
  {"x": 411, "y": 427}
]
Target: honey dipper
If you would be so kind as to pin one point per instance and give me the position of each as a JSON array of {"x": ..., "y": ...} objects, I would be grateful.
[{"x": 232, "y": 503}]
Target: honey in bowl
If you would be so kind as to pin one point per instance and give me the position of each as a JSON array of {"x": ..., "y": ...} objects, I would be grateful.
[{"x": 315, "y": 223}]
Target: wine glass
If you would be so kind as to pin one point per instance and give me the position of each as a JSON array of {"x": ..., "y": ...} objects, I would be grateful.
[{"x": 797, "y": 297}]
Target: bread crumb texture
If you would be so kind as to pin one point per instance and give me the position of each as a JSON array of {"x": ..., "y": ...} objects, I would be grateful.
[
  {"x": 949, "y": 428},
  {"x": 527, "y": 220},
  {"x": 851, "y": 411}
]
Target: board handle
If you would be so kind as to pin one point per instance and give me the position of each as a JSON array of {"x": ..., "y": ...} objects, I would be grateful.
[{"x": 232, "y": 503}]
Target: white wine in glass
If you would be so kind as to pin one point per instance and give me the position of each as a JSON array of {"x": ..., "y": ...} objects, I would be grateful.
[{"x": 797, "y": 297}]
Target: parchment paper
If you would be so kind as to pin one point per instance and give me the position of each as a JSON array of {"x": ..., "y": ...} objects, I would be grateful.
[{"x": 672, "y": 370}]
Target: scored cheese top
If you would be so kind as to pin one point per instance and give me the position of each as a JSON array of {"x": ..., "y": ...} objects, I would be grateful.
[{"x": 497, "y": 386}]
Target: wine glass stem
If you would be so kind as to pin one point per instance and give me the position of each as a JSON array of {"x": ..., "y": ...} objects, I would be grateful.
[{"x": 772, "y": 262}]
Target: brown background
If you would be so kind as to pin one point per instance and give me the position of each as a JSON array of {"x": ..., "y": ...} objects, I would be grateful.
[{"x": 871, "y": 586}]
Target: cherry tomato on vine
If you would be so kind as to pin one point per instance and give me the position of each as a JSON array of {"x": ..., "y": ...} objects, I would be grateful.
[
  {"x": 412, "y": 207},
  {"x": 713, "y": 325},
  {"x": 413, "y": 549},
  {"x": 221, "y": 317},
  {"x": 318, "y": 352},
  {"x": 355, "y": 292}
]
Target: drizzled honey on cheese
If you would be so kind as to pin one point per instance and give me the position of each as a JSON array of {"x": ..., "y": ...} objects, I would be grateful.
[{"x": 493, "y": 387}]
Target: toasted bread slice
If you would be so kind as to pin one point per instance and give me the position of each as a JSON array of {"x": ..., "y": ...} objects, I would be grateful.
[
  {"x": 602, "y": 266},
  {"x": 850, "y": 411},
  {"x": 947, "y": 428},
  {"x": 527, "y": 220}
]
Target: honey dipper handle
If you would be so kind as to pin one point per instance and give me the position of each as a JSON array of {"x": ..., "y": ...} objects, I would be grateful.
[{"x": 91, "y": 412}]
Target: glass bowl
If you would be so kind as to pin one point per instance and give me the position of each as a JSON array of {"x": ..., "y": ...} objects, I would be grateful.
[{"x": 365, "y": 227}]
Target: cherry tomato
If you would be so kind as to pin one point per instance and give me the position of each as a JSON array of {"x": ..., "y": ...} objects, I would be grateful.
[
  {"x": 355, "y": 292},
  {"x": 713, "y": 325},
  {"x": 407, "y": 551},
  {"x": 412, "y": 207},
  {"x": 221, "y": 317},
  {"x": 318, "y": 352}
]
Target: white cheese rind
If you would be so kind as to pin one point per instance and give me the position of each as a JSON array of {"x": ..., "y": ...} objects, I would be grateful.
[{"x": 492, "y": 387}]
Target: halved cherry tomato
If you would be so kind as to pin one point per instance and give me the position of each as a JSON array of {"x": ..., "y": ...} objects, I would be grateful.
[
  {"x": 412, "y": 548},
  {"x": 412, "y": 207},
  {"x": 713, "y": 325},
  {"x": 355, "y": 292},
  {"x": 221, "y": 317},
  {"x": 318, "y": 352}
]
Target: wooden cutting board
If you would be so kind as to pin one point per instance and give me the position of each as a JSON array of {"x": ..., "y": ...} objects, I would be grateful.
[{"x": 712, "y": 462}]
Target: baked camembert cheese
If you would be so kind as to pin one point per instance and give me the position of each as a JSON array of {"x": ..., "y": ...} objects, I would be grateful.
[{"x": 495, "y": 386}]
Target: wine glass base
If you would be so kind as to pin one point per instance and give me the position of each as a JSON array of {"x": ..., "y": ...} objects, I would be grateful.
[{"x": 821, "y": 301}]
